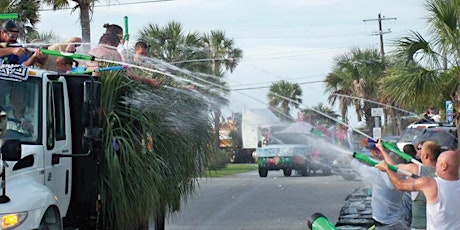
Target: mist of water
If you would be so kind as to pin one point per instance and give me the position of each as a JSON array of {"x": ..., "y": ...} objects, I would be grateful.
[{"x": 168, "y": 100}]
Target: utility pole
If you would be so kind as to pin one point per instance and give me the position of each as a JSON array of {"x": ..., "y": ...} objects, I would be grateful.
[{"x": 380, "y": 33}]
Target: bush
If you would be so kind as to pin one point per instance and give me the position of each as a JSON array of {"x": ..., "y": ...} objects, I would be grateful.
[{"x": 219, "y": 159}]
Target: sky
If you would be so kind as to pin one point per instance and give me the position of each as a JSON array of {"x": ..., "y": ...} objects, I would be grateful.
[{"x": 293, "y": 40}]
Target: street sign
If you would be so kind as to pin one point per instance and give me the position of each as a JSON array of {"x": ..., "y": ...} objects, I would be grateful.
[
  {"x": 376, "y": 112},
  {"x": 449, "y": 111},
  {"x": 377, "y": 132}
]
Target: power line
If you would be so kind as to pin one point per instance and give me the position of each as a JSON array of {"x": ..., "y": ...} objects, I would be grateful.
[
  {"x": 288, "y": 79},
  {"x": 380, "y": 32},
  {"x": 119, "y": 4},
  {"x": 265, "y": 87}
]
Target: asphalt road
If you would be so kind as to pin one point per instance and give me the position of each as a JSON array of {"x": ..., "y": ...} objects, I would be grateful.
[{"x": 246, "y": 201}]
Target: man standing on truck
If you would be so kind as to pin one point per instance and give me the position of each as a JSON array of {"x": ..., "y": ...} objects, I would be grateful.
[{"x": 15, "y": 55}]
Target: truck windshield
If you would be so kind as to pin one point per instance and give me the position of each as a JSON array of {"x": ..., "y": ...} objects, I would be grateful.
[
  {"x": 410, "y": 134},
  {"x": 21, "y": 101},
  {"x": 288, "y": 138}
]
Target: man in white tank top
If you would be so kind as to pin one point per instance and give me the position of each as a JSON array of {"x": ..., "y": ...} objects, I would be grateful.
[{"x": 441, "y": 192}]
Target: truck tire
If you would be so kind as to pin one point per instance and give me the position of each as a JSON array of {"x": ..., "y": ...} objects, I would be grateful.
[
  {"x": 327, "y": 171},
  {"x": 305, "y": 172},
  {"x": 287, "y": 171},
  {"x": 263, "y": 172},
  {"x": 51, "y": 220}
]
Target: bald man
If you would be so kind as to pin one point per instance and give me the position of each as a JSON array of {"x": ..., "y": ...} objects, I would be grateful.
[{"x": 441, "y": 192}]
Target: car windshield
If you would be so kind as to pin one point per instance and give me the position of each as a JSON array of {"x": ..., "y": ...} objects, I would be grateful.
[
  {"x": 21, "y": 101},
  {"x": 410, "y": 134},
  {"x": 288, "y": 138},
  {"x": 446, "y": 138}
]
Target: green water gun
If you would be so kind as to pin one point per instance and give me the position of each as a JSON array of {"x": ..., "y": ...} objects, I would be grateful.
[
  {"x": 364, "y": 158},
  {"x": 6, "y": 16},
  {"x": 371, "y": 144}
]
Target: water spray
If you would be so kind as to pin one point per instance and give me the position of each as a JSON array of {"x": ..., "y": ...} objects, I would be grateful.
[
  {"x": 318, "y": 221},
  {"x": 377, "y": 103},
  {"x": 386, "y": 145},
  {"x": 367, "y": 159}
]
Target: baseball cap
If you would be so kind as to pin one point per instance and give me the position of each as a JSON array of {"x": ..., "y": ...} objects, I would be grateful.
[{"x": 10, "y": 26}]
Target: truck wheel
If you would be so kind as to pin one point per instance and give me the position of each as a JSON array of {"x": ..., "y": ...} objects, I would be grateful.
[
  {"x": 51, "y": 220},
  {"x": 263, "y": 172},
  {"x": 43, "y": 225},
  {"x": 305, "y": 172},
  {"x": 327, "y": 171},
  {"x": 287, "y": 171}
]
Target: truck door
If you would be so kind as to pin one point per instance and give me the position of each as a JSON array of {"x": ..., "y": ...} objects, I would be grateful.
[{"x": 58, "y": 141}]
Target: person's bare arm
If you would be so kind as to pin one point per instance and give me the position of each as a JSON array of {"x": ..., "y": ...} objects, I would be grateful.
[
  {"x": 32, "y": 59},
  {"x": 18, "y": 51},
  {"x": 411, "y": 167},
  {"x": 396, "y": 180},
  {"x": 427, "y": 185},
  {"x": 148, "y": 81},
  {"x": 385, "y": 154}
]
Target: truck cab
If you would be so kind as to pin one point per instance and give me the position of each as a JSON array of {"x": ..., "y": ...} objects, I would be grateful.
[{"x": 53, "y": 182}]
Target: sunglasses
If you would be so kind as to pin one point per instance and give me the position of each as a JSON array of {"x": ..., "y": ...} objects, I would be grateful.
[{"x": 12, "y": 35}]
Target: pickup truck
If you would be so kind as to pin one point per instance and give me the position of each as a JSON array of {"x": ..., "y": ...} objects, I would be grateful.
[{"x": 288, "y": 157}]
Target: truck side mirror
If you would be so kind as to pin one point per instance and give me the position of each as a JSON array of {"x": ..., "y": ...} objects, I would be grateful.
[
  {"x": 92, "y": 102},
  {"x": 11, "y": 150}
]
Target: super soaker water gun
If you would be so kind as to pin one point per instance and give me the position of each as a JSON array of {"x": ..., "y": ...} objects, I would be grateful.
[{"x": 373, "y": 162}]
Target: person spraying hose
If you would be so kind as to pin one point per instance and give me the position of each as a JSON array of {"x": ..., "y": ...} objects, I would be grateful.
[
  {"x": 429, "y": 155},
  {"x": 441, "y": 192},
  {"x": 386, "y": 200}
]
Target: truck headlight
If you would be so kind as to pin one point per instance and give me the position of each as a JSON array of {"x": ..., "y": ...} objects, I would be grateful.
[{"x": 12, "y": 220}]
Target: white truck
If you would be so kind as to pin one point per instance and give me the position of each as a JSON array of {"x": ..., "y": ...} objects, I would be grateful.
[
  {"x": 256, "y": 128},
  {"x": 50, "y": 173}
]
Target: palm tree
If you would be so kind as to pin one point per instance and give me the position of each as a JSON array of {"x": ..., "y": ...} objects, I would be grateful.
[
  {"x": 355, "y": 74},
  {"x": 409, "y": 85},
  {"x": 436, "y": 60},
  {"x": 315, "y": 118},
  {"x": 86, "y": 9},
  {"x": 282, "y": 96},
  {"x": 47, "y": 37},
  {"x": 28, "y": 12},
  {"x": 172, "y": 45},
  {"x": 224, "y": 56}
]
